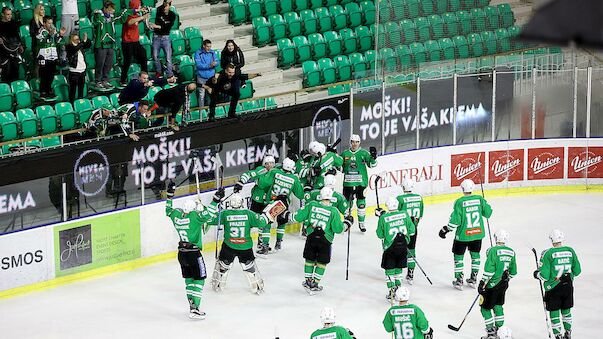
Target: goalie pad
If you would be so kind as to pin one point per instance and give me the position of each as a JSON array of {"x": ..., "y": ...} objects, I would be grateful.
[
  {"x": 220, "y": 275},
  {"x": 254, "y": 277},
  {"x": 274, "y": 209}
]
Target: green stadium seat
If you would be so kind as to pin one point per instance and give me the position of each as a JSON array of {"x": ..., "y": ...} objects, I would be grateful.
[
  {"x": 86, "y": 27},
  {"x": 339, "y": 89},
  {"x": 325, "y": 20},
  {"x": 399, "y": 9},
  {"x": 84, "y": 108},
  {"x": 90, "y": 59},
  {"x": 365, "y": 38},
  {"x": 328, "y": 3},
  {"x": 506, "y": 15},
  {"x": 482, "y": 3},
  {"x": 447, "y": 47},
  {"x": 343, "y": 67},
  {"x": 22, "y": 92},
  {"x": 413, "y": 9},
  {"x": 385, "y": 13},
  {"x": 271, "y": 103},
  {"x": 359, "y": 66},
  {"x": 468, "y": 4},
  {"x": 194, "y": 38},
  {"x": 355, "y": 17},
  {"x": 453, "y": 5},
  {"x": 9, "y": 129},
  {"x": 286, "y": 53},
  {"x": 261, "y": 31},
  {"x": 441, "y": 6},
  {"x": 247, "y": 91},
  {"x": 502, "y": 37},
  {"x": 328, "y": 71},
  {"x": 349, "y": 39},
  {"x": 301, "y": 5},
  {"x": 388, "y": 59},
  {"x": 151, "y": 93},
  {"x": 368, "y": 9},
  {"x": 271, "y": 7},
  {"x": 476, "y": 45},
  {"x": 66, "y": 115},
  {"x": 254, "y": 8},
  {"x": 279, "y": 27},
  {"x": 186, "y": 67},
  {"x": 451, "y": 24},
  {"x": 303, "y": 48},
  {"x": 465, "y": 22},
  {"x": 178, "y": 42},
  {"x": 310, "y": 22},
  {"x": 25, "y": 37},
  {"x": 478, "y": 20},
  {"x": 514, "y": 32},
  {"x": 427, "y": 7},
  {"x": 340, "y": 17},
  {"x": 294, "y": 24},
  {"x": 60, "y": 87},
  {"x": 146, "y": 44},
  {"x": 490, "y": 42},
  {"x": 419, "y": 54},
  {"x": 392, "y": 31},
  {"x": 314, "y": 4},
  {"x": 461, "y": 47},
  {"x": 311, "y": 74},
  {"x": 114, "y": 98},
  {"x": 437, "y": 26},
  {"x": 221, "y": 112},
  {"x": 434, "y": 52},
  {"x": 49, "y": 121},
  {"x": 404, "y": 56},
  {"x": 319, "y": 46},
  {"x": 492, "y": 17},
  {"x": 51, "y": 141},
  {"x": 218, "y": 54},
  {"x": 423, "y": 29},
  {"x": 287, "y": 6},
  {"x": 99, "y": 101},
  {"x": 25, "y": 11},
  {"x": 7, "y": 98},
  {"x": 370, "y": 58},
  {"x": 334, "y": 43},
  {"x": 409, "y": 31},
  {"x": 486, "y": 64},
  {"x": 28, "y": 122},
  {"x": 237, "y": 11}
]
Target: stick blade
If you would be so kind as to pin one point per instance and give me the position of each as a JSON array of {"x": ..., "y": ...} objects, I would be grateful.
[{"x": 456, "y": 329}]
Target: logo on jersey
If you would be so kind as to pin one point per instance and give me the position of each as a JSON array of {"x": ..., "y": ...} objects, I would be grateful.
[
  {"x": 545, "y": 163},
  {"x": 585, "y": 162},
  {"x": 91, "y": 172},
  {"x": 506, "y": 165},
  {"x": 467, "y": 166}
]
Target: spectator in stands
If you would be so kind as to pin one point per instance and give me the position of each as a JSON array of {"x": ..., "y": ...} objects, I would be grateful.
[
  {"x": 139, "y": 87},
  {"x": 69, "y": 16},
  {"x": 206, "y": 61},
  {"x": 77, "y": 65},
  {"x": 139, "y": 114},
  {"x": 104, "y": 42},
  {"x": 164, "y": 21},
  {"x": 106, "y": 121},
  {"x": 48, "y": 40},
  {"x": 36, "y": 23},
  {"x": 232, "y": 54},
  {"x": 227, "y": 82},
  {"x": 130, "y": 44},
  {"x": 10, "y": 47},
  {"x": 172, "y": 100}
]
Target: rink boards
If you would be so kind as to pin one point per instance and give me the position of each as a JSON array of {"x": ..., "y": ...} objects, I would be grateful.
[{"x": 57, "y": 254}]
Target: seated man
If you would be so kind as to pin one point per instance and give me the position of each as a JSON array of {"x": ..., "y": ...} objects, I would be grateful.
[
  {"x": 138, "y": 88},
  {"x": 139, "y": 114},
  {"x": 106, "y": 121}
]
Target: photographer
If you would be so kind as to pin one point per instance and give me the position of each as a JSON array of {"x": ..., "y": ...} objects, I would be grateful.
[
  {"x": 130, "y": 44},
  {"x": 10, "y": 47},
  {"x": 48, "y": 40}
]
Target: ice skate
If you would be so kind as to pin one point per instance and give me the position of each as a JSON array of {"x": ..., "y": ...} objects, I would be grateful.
[
  {"x": 458, "y": 283},
  {"x": 361, "y": 226},
  {"x": 307, "y": 284},
  {"x": 390, "y": 295},
  {"x": 314, "y": 287},
  {"x": 568, "y": 334},
  {"x": 472, "y": 281},
  {"x": 263, "y": 251},
  {"x": 195, "y": 314},
  {"x": 278, "y": 245},
  {"x": 410, "y": 276}
]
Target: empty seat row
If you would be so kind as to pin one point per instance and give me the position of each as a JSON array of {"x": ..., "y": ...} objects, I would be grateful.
[
  {"x": 409, "y": 9},
  {"x": 246, "y": 10}
]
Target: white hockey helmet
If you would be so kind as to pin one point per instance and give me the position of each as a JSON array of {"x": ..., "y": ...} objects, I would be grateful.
[
  {"x": 327, "y": 315},
  {"x": 402, "y": 294},
  {"x": 557, "y": 236},
  {"x": 268, "y": 159},
  {"x": 355, "y": 137},
  {"x": 467, "y": 186},
  {"x": 235, "y": 201},
  {"x": 320, "y": 148},
  {"x": 326, "y": 193},
  {"x": 392, "y": 203},
  {"x": 407, "y": 184},
  {"x": 312, "y": 146},
  {"x": 330, "y": 180},
  {"x": 501, "y": 236},
  {"x": 288, "y": 165},
  {"x": 189, "y": 206},
  {"x": 505, "y": 333}
]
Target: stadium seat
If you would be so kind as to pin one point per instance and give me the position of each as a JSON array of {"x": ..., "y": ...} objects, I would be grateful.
[
  {"x": 294, "y": 24},
  {"x": 60, "y": 87},
  {"x": 194, "y": 38},
  {"x": 279, "y": 27},
  {"x": 478, "y": 20},
  {"x": 178, "y": 42},
  {"x": 437, "y": 26},
  {"x": 334, "y": 43},
  {"x": 392, "y": 31},
  {"x": 461, "y": 47},
  {"x": 359, "y": 66},
  {"x": 25, "y": 10},
  {"x": 464, "y": 22},
  {"x": 261, "y": 31},
  {"x": 370, "y": 58},
  {"x": 86, "y": 27},
  {"x": 447, "y": 47},
  {"x": 310, "y": 22},
  {"x": 311, "y": 74},
  {"x": 434, "y": 52},
  {"x": 343, "y": 67},
  {"x": 413, "y": 9},
  {"x": 404, "y": 56},
  {"x": 365, "y": 38},
  {"x": 151, "y": 93},
  {"x": 9, "y": 129},
  {"x": 349, "y": 39},
  {"x": 385, "y": 13},
  {"x": 99, "y": 101},
  {"x": 441, "y": 6},
  {"x": 427, "y": 7},
  {"x": 286, "y": 53},
  {"x": 328, "y": 71},
  {"x": 506, "y": 15},
  {"x": 22, "y": 93},
  {"x": 247, "y": 91},
  {"x": 314, "y": 4},
  {"x": 409, "y": 31},
  {"x": 287, "y": 6},
  {"x": 368, "y": 9},
  {"x": 340, "y": 18},
  {"x": 146, "y": 44},
  {"x": 303, "y": 49},
  {"x": 237, "y": 11},
  {"x": 301, "y": 5},
  {"x": 492, "y": 17},
  {"x": 398, "y": 9},
  {"x": 28, "y": 122},
  {"x": 186, "y": 67},
  {"x": 490, "y": 42},
  {"x": 7, "y": 98},
  {"x": 468, "y": 4},
  {"x": 25, "y": 37},
  {"x": 482, "y": 3},
  {"x": 451, "y": 24},
  {"x": 48, "y": 119},
  {"x": 453, "y": 5},
  {"x": 84, "y": 108},
  {"x": 423, "y": 29},
  {"x": 502, "y": 37},
  {"x": 418, "y": 53},
  {"x": 51, "y": 141},
  {"x": 271, "y": 7},
  {"x": 476, "y": 45},
  {"x": 355, "y": 17},
  {"x": 319, "y": 46},
  {"x": 325, "y": 20},
  {"x": 388, "y": 59},
  {"x": 90, "y": 59},
  {"x": 66, "y": 116},
  {"x": 254, "y": 9}
]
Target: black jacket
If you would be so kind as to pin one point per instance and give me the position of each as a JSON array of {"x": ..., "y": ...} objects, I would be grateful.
[
  {"x": 236, "y": 57},
  {"x": 72, "y": 50}
]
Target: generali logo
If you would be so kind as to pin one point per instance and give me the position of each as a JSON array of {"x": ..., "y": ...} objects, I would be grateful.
[
  {"x": 506, "y": 165},
  {"x": 466, "y": 166},
  {"x": 545, "y": 163},
  {"x": 585, "y": 162}
]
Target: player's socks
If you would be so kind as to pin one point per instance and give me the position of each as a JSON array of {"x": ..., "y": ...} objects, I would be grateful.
[
  {"x": 488, "y": 318},
  {"x": 458, "y": 266},
  {"x": 309, "y": 269},
  {"x": 280, "y": 232},
  {"x": 398, "y": 276},
  {"x": 265, "y": 234},
  {"x": 411, "y": 259},
  {"x": 319, "y": 272},
  {"x": 499, "y": 316},
  {"x": 391, "y": 278},
  {"x": 555, "y": 317},
  {"x": 475, "y": 262},
  {"x": 194, "y": 291},
  {"x": 567, "y": 319}
]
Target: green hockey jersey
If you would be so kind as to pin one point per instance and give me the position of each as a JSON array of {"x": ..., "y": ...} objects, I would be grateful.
[
  {"x": 237, "y": 227},
  {"x": 190, "y": 226},
  {"x": 411, "y": 203},
  {"x": 257, "y": 194},
  {"x": 555, "y": 262},
  {"x": 302, "y": 169},
  {"x": 105, "y": 35},
  {"x": 407, "y": 322},
  {"x": 498, "y": 260},
  {"x": 355, "y": 165},
  {"x": 333, "y": 332},
  {"x": 338, "y": 200},
  {"x": 394, "y": 222},
  {"x": 326, "y": 162},
  {"x": 315, "y": 214},
  {"x": 278, "y": 182},
  {"x": 466, "y": 218}
]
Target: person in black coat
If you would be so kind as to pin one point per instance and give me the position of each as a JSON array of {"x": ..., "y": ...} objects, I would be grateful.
[
  {"x": 232, "y": 54},
  {"x": 172, "y": 100},
  {"x": 77, "y": 65},
  {"x": 138, "y": 88}
]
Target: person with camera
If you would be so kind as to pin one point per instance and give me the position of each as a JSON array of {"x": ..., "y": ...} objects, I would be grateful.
[
  {"x": 10, "y": 47},
  {"x": 48, "y": 40},
  {"x": 130, "y": 44}
]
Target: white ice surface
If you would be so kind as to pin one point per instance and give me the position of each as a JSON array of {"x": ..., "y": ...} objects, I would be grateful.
[{"x": 150, "y": 302}]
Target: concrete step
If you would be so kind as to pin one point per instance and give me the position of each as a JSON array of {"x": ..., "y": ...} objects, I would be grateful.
[
  {"x": 207, "y": 22},
  {"x": 268, "y": 78},
  {"x": 250, "y": 53},
  {"x": 522, "y": 11},
  {"x": 194, "y": 12},
  {"x": 188, "y": 3},
  {"x": 511, "y": 2},
  {"x": 221, "y": 8},
  {"x": 245, "y": 42},
  {"x": 262, "y": 64},
  {"x": 294, "y": 73},
  {"x": 285, "y": 86},
  {"x": 244, "y": 29}
]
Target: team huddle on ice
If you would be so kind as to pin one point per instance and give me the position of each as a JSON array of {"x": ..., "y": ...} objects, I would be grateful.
[{"x": 310, "y": 177}]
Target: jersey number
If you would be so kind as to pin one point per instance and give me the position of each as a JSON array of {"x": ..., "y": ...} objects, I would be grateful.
[
  {"x": 395, "y": 230},
  {"x": 237, "y": 232},
  {"x": 415, "y": 212},
  {"x": 404, "y": 331},
  {"x": 473, "y": 219},
  {"x": 183, "y": 235},
  {"x": 562, "y": 269}
]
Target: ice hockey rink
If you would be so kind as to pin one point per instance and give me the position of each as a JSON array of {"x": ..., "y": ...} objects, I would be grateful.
[{"x": 150, "y": 302}]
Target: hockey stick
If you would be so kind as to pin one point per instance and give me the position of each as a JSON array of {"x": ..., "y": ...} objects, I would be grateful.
[
  {"x": 484, "y": 196},
  {"x": 422, "y": 271},
  {"x": 546, "y": 315},
  {"x": 456, "y": 329},
  {"x": 347, "y": 260},
  {"x": 377, "y": 178},
  {"x": 219, "y": 173}
]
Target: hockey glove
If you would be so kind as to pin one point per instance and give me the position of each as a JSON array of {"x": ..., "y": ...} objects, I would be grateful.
[
  {"x": 292, "y": 155},
  {"x": 481, "y": 288},
  {"x": 505, "y": 276},
  {"x": 316, "y": 171},
  {"x": 332, "y": 171},
  {"x": 429, "y": 335},
  {"x": 171, "y": 188},
  {"x": 537, "y": 275},
  {"x": 347, "y": 224},
  {"x": 237, "y": 187},
  {"x": 565, "y": 278},
  {"x": 283, "y": 198},
  {"x": 219, "y": 195},
  {"x": 305, "y": 155},
  {"x": 415, "y": 220},
  {"x": 443, "y": 232},
  {"x": 349, "y": 218},
  {"x": 331, "y": 149},
  {"x": 379, "y": 211},
  {"x": 308, "y": 188},
  {"x": 373, "y": 152}
]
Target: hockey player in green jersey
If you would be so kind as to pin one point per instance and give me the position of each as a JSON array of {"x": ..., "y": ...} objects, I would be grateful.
[
  {"x": 324, "y": 162},
  {"x": 467, "y": 222},
  {"x": 412, "y": 203},
  {"x": 406, "y": 320},
  {"x": 500, "y": 267},
  {"x": 559, "y": 265},
  {"x": 279, "y": 184},
  {"x": 238, "y": 222},
  {"x": 356, "y": 160},
  {"x": 329, "y": 330},
  {"x": 338, "y": 200},
  {"x": 324, "y": 222},
  {"x": 190, "y": 225},
  {"x": 395, "y": 229}
]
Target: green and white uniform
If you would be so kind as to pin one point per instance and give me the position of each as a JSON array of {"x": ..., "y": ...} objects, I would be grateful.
[
  {"x": 406, "y": 321},
  {"x": 338, "y": 200},
  {"x": 355, "y": 177},
  {"x": 237, "y": 227},
  {"x": 333, "y": 332},
  {"x": 391, "y": 224},
  {"x": 413, "y": 205},
  {"x": 326, "y": 162},
  {"x": 258, "y": 195},
  {"x": 499, "y": 259}
]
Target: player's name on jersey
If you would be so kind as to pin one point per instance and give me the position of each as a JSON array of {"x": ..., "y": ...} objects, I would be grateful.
[
  {"x": 326, "y": 336},
  {"x": 563, "y": 254},
  {"x": 471, "y": 203},
  {"x": 505, "y": 252},
  {"x": 236, "y": 218}
]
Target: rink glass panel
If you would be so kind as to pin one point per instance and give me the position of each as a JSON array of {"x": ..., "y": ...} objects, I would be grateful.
[
  {"x": 581, "y": 102},
  {"x": 436, "y": 98},
  {"x": 399, "y": 124},
  {"x": 474, "y": 108},
  {"x": 596, "y": 114},
  {"x": 554, "y": 94},
  {"x": 514, "y": 108}
]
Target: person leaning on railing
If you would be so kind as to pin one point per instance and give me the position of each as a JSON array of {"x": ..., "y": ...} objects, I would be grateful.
[{"x": 106, "y": 121}]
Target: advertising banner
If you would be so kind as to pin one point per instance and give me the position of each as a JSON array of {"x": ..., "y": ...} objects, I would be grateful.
[
  {"x": 467, "y": 166},
  {"x": 506, "y": 165},
  {"x": 545, "y": 163},
  {"x": 96, "y": 242},
  {"x": 585, "y": 162}
]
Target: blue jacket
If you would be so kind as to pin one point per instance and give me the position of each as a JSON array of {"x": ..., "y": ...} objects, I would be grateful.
[{"x": 202, "y": 60}]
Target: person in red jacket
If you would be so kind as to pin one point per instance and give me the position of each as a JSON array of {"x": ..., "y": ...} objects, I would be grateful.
[{"x": 130, "y": 44}]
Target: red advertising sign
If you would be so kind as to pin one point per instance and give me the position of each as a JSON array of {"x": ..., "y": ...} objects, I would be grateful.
[
  {"x": 545, "y": 163},
  {"x": 467, "y": 166},
  {"x": 583, "y": 162},
  {"x": 505, "y": 165}
]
